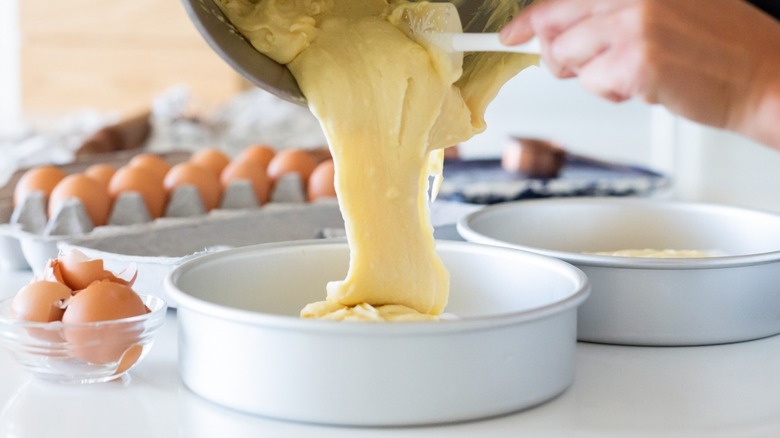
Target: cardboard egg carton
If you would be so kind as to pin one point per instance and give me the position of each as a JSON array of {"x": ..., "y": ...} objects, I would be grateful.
[
  {"x": 25, "y": 231},
  {"x": 28, "y": 238}
]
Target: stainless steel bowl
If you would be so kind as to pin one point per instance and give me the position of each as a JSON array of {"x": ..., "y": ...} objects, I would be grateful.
[
  {"x": 242, "y": 344},
  {"x": 236, "y": 50},
  {"x": 733, "y": 296},
  {"x": 265, "y": 73}
]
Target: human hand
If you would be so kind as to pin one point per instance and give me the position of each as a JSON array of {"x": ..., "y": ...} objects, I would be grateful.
[{"x": 712, "y": 61}]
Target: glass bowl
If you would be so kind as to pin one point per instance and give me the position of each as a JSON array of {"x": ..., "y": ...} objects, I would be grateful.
[{"x": 84, "y": 352}]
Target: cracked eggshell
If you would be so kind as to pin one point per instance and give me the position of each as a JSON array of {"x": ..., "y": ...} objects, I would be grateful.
[
  {"x": 40, "y": 301},
  {"x": 78, "y": 271},
  {"x": 103, "y": 301}
]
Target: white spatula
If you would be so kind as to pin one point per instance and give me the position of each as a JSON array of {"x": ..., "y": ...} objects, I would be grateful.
[
  {"x": 478, "y": 42},
  {"x": 438, "y": 24}
]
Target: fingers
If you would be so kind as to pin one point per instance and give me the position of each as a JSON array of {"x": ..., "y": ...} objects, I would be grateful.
[
  {"x": 548, "y": 18},
  {"x": 518, "y": 30},
  {"x": 551, "y": 18},
  {"x": 571, "y": 32},
  {"x": 600, "y": 78},
  {"x": 542, "y": 19},
  {"x": 620, "y": 74},
  {"x": 578, "y": 45}
]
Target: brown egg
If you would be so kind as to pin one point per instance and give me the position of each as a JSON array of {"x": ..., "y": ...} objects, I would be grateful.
[
  {"x": 533, "y": 157},
  {"x": 248, "y": 171},
  {"x": 142, "y": 181},
  {"x": 151, "y": 162},
  {"x": 292, "y": 160},
  {"x": 101, "y": 173},
  {"x": 42, "y": 178},
  {"x": 452, "y": 152},
  {"x": 259, "y": 154},
  {"x": 77, "y": 271},
  {"x": 93, "y": 195},
  {"x": 204, "y": 180},
  {"x": 40, "y": 301},
  {"x": 320, "y": 154},
  {"x": 212, "y": 159},
  {"x": 103, "y": 301},
  {"x": 322, "y": 181}
]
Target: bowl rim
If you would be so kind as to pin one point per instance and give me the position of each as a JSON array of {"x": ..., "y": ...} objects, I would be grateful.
[
  {"x": 157, "y": 305},
  {"x": 466, "y": 231},
  {"x": 188, "y": 302}
]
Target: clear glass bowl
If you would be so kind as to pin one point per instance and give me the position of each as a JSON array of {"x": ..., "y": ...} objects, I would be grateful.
[{"x": 84, "y": 352}]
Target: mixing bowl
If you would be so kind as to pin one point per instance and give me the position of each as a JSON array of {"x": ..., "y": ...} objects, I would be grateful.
[
  {"x": 734, "y": 295},
  {"x": 508, "y": 344},
  {"x": 265, "y": 73}
]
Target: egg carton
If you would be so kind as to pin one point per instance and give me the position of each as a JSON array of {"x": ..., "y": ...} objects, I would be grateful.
[
  {"x": 38, "y": 238},
  {"x": 29, "y": 239},
  {"x": 17, "y": 222}
]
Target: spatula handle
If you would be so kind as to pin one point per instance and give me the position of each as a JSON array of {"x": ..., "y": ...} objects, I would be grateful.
[{"x": 490, "y": 42}]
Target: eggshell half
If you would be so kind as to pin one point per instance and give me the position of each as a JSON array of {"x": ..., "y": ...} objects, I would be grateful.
[
  {"x": 77, "y": 271},
  {"x": 103, "y": 301},
  {"x": 40, "y": 301}
]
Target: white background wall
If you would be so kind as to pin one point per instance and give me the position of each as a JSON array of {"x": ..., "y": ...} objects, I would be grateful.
[
  {"x": 721, "y": 167},
  {"x": 706, "y": 164},
  {"x": 536, "y": 104}
]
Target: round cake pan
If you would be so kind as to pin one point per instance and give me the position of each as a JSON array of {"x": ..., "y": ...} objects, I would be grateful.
[
  {"x": 732, "y": 296},
  {"x": 508, "y": 345}
]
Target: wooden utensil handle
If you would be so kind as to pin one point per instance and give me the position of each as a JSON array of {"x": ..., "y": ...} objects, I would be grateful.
[{"x": 129, "y": 133}]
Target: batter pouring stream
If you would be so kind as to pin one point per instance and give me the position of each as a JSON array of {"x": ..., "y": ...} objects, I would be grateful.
[{"x": 388, "y": 105}]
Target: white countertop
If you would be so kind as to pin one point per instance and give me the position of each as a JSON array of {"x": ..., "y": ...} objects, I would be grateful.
[{"x": 717, "y": 391}]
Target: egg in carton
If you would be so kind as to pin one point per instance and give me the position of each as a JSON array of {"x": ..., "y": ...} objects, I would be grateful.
[{"x": 39, "y": 238}]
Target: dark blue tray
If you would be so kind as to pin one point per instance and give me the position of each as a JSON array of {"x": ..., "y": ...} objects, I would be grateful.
[{"x": 486, "y": 182}]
